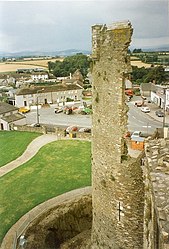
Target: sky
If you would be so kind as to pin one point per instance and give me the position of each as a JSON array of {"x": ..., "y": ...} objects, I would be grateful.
[{"x": 66, "y": 24}]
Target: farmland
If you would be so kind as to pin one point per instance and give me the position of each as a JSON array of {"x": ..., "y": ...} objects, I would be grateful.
[
  {"x": 43, "y": 63},
  {"x": 13, "y": 66},
  {"x": 140, "y": 64}
]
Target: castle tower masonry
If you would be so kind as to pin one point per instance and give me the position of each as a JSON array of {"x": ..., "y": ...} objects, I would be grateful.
[{"x": 117, "y": 178}]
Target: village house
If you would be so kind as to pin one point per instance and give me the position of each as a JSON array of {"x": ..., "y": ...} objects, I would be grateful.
[
  {"x": 3, "y": 82},
  {"x": 54, "y": 94},
  {"x": 10, "y": 116},
  {"x": 146, "y": 89},
  {"x": 38, "y": 76},
  {"x": 6, "y": 80},
  {"x": 160, "y": 96}
]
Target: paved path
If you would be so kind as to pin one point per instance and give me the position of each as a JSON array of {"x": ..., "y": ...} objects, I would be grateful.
[{"x": 31, "y": 150}]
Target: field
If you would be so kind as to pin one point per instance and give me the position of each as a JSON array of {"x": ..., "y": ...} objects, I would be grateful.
[
  {"x": 13, "y": 66},
  {"x": 57, "y": 168},
  {"x": 8, "y": 141},
  {"x": 140, "y": 64}
]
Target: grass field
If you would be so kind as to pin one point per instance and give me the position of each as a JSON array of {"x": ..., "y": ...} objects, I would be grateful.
[
  {"x": 13, "y": 144},
  {"x": 58, "y": 167},
  {"x": 140, "y": 64},
  {"x": 13, "y": 66}
]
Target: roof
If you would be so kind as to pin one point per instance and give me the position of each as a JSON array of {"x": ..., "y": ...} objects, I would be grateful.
[
  {"x": 13, "y": 117},
  {"x": 145, "y": 86},
  {"x": 5, "y": 108},
  {"x": 46, "y": 89}
]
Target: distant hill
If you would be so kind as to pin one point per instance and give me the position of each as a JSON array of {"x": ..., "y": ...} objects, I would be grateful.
[
  {"x": 157, "y": 49},
  {"x": 154, "y": 49},
  {"x": 67, "y": 52}
]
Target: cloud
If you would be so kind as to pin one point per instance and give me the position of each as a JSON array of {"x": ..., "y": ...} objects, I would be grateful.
[
  {"x": 148, "y": 43},
  {"x": 64, "y": 24},
  {"x": 38, "y": 19},
  {"x": 6, "y": 42}
]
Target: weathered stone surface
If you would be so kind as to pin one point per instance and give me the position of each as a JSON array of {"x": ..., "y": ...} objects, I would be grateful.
[
  {"x": 61, "y": 226},
  {"x": 156, "y": 218},
  {"x": 117, "y": 179}
]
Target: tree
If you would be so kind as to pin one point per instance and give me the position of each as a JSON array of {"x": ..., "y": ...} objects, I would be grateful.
[
  {"x": 155, "y": 74},
  {"x": 145, "y": 75},
  {"x": 51, "y": 65},
  {"x": 70, "y": 64},
  {"x": 137, "y": 50},
  {"x": 138, "y": 74}
]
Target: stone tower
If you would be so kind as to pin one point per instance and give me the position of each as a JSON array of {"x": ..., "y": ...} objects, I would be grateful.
[{"x": 117, "y": 178}]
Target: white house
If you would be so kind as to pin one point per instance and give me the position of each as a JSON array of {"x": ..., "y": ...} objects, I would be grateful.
[
  {"x": 160, "y": 96},
  {"x": 39, "y": 76},
  {"x": 55, "y": 94},
  {"x": 128, "y": 84},
  {"x": 9, "y": 116}
]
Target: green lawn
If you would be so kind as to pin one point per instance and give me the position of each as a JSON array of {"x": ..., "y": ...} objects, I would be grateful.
[
  {"x": 13, "y": 144},
  {"x": 58, "y": 167}
]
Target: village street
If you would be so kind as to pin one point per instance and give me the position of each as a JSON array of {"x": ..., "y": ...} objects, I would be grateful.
[
  {"x": 137, "y": 120},
  {"x": 49, "y": 117}
]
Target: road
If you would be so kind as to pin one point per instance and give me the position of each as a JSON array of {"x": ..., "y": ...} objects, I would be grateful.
[
  {"x": 48, "y": 116},
  {"x": 137, "y": 120}
]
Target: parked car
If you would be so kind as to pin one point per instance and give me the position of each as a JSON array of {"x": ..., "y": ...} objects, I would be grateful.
[
  {"x": 143, "y": 97},
  {"x": 24, "y": 109},
  {"x": 71, "y": 128},
  {"x": 58, "y": 110},
  {"x": 159, "y": 113},
  {"x": 67, "y": 110},
  {"x": 138, "y": 104},
  {"x": 136, "y": 134},
  {"x": 34, "y": 125},
  {"x": 145, "y": 109},
  {"x": 83, "y": 129}
]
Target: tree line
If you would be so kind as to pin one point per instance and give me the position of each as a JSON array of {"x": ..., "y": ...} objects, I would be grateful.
[
  {"x": 82, "y": 62},
  {"x": 69, "y": 65},
  {"x": 145, "y": 75}
]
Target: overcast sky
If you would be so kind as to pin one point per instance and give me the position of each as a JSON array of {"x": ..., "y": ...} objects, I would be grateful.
[{"x": 59, "y": 25}]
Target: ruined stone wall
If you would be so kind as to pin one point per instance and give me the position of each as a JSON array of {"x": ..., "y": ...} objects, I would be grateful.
[
  {"x": 117, "y": 180},
  {"x": 156, "y": 178},
  {"x": 62, "y": 223}
]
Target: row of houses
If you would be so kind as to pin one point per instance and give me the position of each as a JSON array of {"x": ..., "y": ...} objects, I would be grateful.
[
  {"x": 54, "y": 94},
  {"x": 158, "y": 94},
  {"x": 30, "y": 96},
  {"x": 25, "y": 76}
]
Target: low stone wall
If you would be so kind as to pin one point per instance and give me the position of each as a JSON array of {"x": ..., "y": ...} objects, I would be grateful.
[
  {"x": 60, "y": 223},
  {"x": 60, "y": 132},
  {"x": 30, "y": 129},
  {"x": 156, "y": 178},
  {"x": 53, "y": 222}
]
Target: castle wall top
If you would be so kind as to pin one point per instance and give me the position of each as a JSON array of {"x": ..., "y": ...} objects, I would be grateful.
[
  {"x": 115, "y": 25},
  {"x": 116, "y": 35}
]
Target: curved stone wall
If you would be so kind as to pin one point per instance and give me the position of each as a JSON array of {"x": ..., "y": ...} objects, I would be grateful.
[
  {"x": 56, "y": 221},
  {"x": 61, "y": 223}
]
